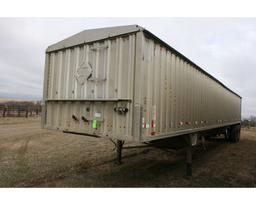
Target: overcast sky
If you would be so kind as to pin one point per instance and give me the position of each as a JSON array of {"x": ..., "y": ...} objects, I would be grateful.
[{"x": 226, "y": 48}]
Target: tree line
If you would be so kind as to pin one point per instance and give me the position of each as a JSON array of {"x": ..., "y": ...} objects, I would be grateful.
[{"x": 249, "y": 122}]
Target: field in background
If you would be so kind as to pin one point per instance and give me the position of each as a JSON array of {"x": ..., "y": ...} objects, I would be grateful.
[
  {"x": 32, "y": 157},
  {"x": 18, "y": 108},
  {"x": 2, "y": 100}
]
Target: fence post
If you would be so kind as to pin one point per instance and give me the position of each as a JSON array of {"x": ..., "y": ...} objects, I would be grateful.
[{"x": 4, "y": 112}]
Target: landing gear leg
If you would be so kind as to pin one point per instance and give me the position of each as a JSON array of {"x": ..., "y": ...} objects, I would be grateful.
[
  {"x": 189, "y": 160},
  {"x": 119, "y": 147},
  {"x": 190, "y": 140}
]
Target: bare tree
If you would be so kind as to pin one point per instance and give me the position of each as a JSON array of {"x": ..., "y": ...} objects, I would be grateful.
[{"x": 249, "y": 122}]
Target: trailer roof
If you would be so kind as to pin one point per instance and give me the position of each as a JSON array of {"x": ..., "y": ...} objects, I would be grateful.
[{"x": 92, "y": 35}]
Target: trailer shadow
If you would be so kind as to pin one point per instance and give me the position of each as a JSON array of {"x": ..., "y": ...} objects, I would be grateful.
[
  {"x": 221, "y": 165},
  {"x": 160, "y": 169}
]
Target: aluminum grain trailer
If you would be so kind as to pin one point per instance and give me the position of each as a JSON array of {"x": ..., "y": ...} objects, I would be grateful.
[{"x": 126, "y": 84}]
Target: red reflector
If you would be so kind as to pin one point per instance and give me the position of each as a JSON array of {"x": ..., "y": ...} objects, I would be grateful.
[{"x": 153, "y": 125}]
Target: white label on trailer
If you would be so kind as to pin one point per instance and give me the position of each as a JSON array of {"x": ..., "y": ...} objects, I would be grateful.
[
  {"x": 143, "y": 122},
  {"x": 97, "y": 114}
]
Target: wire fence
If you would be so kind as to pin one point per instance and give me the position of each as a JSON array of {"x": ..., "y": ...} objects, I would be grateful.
[{"x": 21, "y": 109}]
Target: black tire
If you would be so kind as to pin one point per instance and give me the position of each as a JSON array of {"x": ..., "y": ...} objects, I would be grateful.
[
  {"x": 234, "y": 136},
  {"x": 238, "y": 127},
  {"x": 230, "y": 134},
  {"x": 227, "y": 135}
]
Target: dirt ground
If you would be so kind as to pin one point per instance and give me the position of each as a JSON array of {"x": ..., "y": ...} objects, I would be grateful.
[{"x": 32, "y": 157}]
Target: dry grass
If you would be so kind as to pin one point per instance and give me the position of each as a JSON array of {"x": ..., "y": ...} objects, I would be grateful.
[
  {"x": 32, "y": 157},
  {"x": 2, "y": 100},
  {"x": 18, "y": 120}
]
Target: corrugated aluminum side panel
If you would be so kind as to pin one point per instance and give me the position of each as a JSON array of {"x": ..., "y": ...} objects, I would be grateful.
[
  {"x": 112, "y": 64},
  {"x": 176, "y": 97}
]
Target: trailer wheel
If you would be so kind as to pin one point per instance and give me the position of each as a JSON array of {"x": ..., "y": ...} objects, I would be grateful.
[
  {"x": 227, "y": 135},
  {"x": 234, "y": 135},
  {"x": 238, "y": 130}
]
